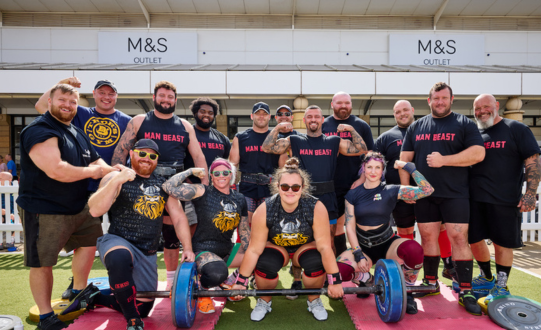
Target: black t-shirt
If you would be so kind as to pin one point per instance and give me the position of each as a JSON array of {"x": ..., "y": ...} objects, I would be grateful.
[
  {"x": 169, "y": 134},
  {"x": 318, "y": 156},
  {"x": 38, "y": 193},
  {"x": 389, "y": 144},
  {"x": 498, "y": 178},
  {"x": 218, "y": 215},
  {"x": 213, "y": 144},
  {"x": 373, "y": 207},
  {"x": 137, "y": 213},
  {"x": 254, "y": 160},
  {"x": 448, "y": 136},
  {"x": 348, "y": 167}
]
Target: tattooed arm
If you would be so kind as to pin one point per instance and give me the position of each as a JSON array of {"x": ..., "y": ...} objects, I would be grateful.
[
  {"x": 533, "y": 175},
  {"x": 356, "y": 146},
  {"x": 411, "y": 193},
  {"x": 364, "y": 264},
  {"x": 175, "y": 187},
  {"x": 244, "y": 232},
  {"x": 127, "y": 140},
  {"x": 273, "y": 145}
]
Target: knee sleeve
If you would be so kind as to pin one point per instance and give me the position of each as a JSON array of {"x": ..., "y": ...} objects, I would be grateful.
[
  {"x": 144, "y": 307},
  {"x": 340, "y": 244},
  {"x": 346, "y": 271},
  {"x": 269, "y": 263},
  {"x": 412, "y": 253},
  {"x": 119, "y": 266},
  {"x": 311, "y": 263},
  {"x": 170, "y": 237},
  {"x": 213, "y": 274}
]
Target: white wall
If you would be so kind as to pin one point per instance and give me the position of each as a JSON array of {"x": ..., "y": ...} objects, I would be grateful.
[{"x": 78, "y": 45}]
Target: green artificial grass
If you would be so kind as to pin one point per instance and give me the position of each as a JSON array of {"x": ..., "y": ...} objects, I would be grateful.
[{"x": 16, "y": 298}]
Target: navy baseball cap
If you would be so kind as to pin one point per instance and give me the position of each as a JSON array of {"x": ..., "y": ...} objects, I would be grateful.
[
  {"x": 261, "y": 106},
  {"x": 284, "y": 107},
  {"x": 105, "y": 83},
  {"x": 147, "y": 144}
]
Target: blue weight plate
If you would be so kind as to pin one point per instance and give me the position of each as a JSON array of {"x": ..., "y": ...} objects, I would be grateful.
[
  {"x": 391, "y": 303},
  {"x": 101, "y": 283},
  {"x": 183, "y": 302}
]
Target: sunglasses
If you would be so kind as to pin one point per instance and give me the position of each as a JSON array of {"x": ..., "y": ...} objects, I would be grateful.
[
  {"x": 143, "y": 154},
  {"x": 224, "y": 173},
  {"x": 286, "y": 187},
  {"x": 280, "y": 114}
]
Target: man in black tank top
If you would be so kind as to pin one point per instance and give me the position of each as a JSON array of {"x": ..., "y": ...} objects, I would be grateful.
[
  {"x": 317, "y": 154},
  {"x": 256, "y": 166},
  {"x": 284, "y": 114},
  {"x": 136, "y": 202},
  {"x": 174, "y": 136}
]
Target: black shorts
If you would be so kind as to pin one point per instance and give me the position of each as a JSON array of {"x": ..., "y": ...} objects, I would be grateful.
[
  {"x": 404, "y": 215},
  {"x": 444, "y": 210},
  {"x": 499, "y": 223},
  {"x": 379, "y": 251}
]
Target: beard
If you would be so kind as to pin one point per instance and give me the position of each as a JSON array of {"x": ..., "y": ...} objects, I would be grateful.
[
  {"x": 163, "y": 110},
  {"x": 315, "y": 130},
  {"x": 62, "y": 116},
  {"x": 487, "y": 124},
  {"x": 342, "y": 114},
  {"x": 203, "y": 124},
  {"x": 142, "y": 171},
  {"x": 440, "y": 115}
]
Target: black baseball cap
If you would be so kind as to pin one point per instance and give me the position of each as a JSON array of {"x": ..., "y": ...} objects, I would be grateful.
[
  {"x": 105, "y": 83},
  {"x": 261, "y": 106},
  {"x": 284, "y": 107},
  {"x": 147, "y": 144}
]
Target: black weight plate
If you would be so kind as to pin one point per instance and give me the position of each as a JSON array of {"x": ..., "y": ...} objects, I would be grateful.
[{"x": 512, "y": 312}]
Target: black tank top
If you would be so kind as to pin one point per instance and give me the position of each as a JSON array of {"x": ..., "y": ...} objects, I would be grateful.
[
  {"x": 319, "y": 156},
  {"x": 170, "y": 136},
  {"x": 253, "y": 160},
  {"x": 290, "y": 230},
  {"x": 136, "y": 215}
]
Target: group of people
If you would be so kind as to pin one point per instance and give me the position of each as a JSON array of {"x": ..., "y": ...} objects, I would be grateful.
[{"x": 298, "y": 197}]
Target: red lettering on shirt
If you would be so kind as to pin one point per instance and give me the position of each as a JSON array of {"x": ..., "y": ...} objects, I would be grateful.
[
  {"x": 216, "y": 146},
  {"x": 422, "y": 137},
  {"x": 203, "y": 145},
  {"x": 308, "y": 152},
  {"x": 252, "y": 148},
  {"x": 398, "y": 143},
  {"x": 331, "y": 133},
  {"x": 164, "y": 137},
  {"x": 153, "y": 136},
  {"x": 495, "y": 144}
]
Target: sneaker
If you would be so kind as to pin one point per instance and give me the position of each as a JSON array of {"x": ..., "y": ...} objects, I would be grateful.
[
  {"x": 297, "y": 285},
  {"x": 481, "y": 286},
  {"x": 497, "y": 291},
  {"x": 317, "y": 309},
  {"x": 85, "y": 299},
  {"x": 66, "y": 294},
  {"x": 206, "y": 305},
  {"x": 426, "y": 294},
  {"x": 261, "y": 309},
  {"x": 411, "y": 306},
  {"x": 468, "y": 301},
  {"x": 449, "y": 273},
  {"x": 368, "y": 283},
  {"x": 51, "y": 323},
  {"x": 135, "y": 324}
]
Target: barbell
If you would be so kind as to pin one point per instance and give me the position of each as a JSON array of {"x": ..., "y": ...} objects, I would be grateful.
[{"x": 390, "y": 292}]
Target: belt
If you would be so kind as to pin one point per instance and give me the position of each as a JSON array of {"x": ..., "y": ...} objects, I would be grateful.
[
  {"x": 320, "y": 188},
  {"x": 168, "y": 171},
  {"x": 376, "y": 239},
  {"x": 256, "y": 178}
]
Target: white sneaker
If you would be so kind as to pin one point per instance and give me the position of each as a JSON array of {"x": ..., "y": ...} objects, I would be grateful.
[
  {"x": 261, "y": 309},
  {"x": 317, "y": 309}
]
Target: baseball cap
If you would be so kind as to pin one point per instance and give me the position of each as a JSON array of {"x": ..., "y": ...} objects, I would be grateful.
[
  {"x": 284, "y": 107},
  {"x": 105, "y": 83},
  {"x": 261, "y": 106},
  {"x": 147, "y": 144}
]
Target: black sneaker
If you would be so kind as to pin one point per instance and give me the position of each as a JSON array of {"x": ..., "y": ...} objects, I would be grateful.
[
  {"x": 135, "y": 324},
  {"x": 427, "y": 293},
  {"x": 368, "y": 283},
  {"x": 297, "y": 285},
  {"x": 66, "y": 294},
  {"x": 85, "y": 299},
  {"x": 468, "y": 301},
  {"x": 51, "y": 323},
  {"x": 411, "y": 306},
  {"x": 449, "y": 273}
]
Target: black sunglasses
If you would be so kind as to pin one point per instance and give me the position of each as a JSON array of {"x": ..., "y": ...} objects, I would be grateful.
[
  {"x": 143, "y": 154},
  {"x": 224, "y": 173},
  {"x": 280, "y": 114},
  {"x": 295, "y": 187}
]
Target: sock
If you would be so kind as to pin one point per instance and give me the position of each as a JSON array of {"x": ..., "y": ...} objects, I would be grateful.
[
  {"x": 44, "y": 316},
  {"x": 361, "y": 277},
  {"x": 120, "y": 267},
  {"x": 340, "y": 243},
  {"x": 464, "y": 272},
  {"x": 448, "y": 263},
  {"x": 430, "y": 265},
  {"x": 484, "y": 269},
  {"x": 503, "y": 275},
  {"x": 170, "y": 279},
  {"x": 408, "y": 236},
  {"x": 445, "y": 244}
]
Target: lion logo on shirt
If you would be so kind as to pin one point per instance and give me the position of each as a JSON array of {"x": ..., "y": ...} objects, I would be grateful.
[
  {"x": 103, "y": 132},
  {"x": 290, "y": 235},
  {"x": 151, "y": 204},
  {"x": 228, "y": 219}
]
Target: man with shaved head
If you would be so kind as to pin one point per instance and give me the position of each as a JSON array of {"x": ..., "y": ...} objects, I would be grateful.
[
  {"x": 347, "y": 167},
  {"x": 495, "y": 192}
]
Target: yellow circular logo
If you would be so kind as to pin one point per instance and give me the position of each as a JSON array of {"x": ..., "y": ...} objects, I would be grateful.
[{"x": 103, "y": 132}]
